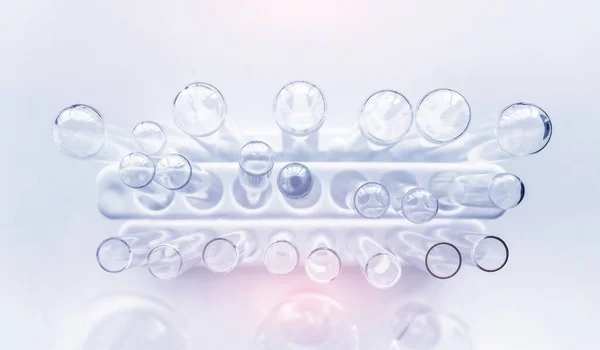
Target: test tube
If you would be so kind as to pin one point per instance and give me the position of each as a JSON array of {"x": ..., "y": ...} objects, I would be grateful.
[
  {"x": 173, "y": 171},
  {"x": 281, "y": 255},
  {"x": 300, "y": 111},
  {"x": 323, "y": 264},
  {"x": 171, "y": 259},
  {"x": 490, "y": 190},
  {"x": 371, "y": 200},
  {"x": 222, "y": 254},
  {"x": 417, "y": 326},
  {"x": 443, "y": 116},
  {"x": 136, "y": 170},
  {"x": 417, "y": 204},
  {"x": 116, "y": 254},
  {"x": 256, "y": 160},
  {"x": 380, "y": 267},
  {"x": 148, "y": 138},
  {"x": 385, "y": 118},
  {"x": 486, "y": 252},
  {"x": 439, "y": 258}
]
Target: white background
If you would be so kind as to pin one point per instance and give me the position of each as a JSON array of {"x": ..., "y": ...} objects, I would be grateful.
[{"x": 130, "y": 58}]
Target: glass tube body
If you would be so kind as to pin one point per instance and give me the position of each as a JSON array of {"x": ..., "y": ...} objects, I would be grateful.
[
  {"x": 440, "y": 258},
  {"x": 281, "y": 255},
  {"x": 222, "y": 254},
  {"x": 136, "y": 170},
  {"x": 379, "y": 266},
  {"x": 119, "y": 253},
  {"x": 417, "y": 204},
  {"x": 371, "y": 200},
  {"x": 323, "y": 263},
  {"x": 256, "y": 161},
  {"x": 171, "y": 259},
  {"x": 489, "y": 190},
  {"x": 486, "y": 252}
]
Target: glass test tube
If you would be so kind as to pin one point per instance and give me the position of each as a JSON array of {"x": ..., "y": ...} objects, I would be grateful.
[
  {"x": 256, "y": 160},
  {"x": 80, "y": 132},
  {"x": 148, "y": 138},
  {"x": 300, "y": 110},
  {"x": 223, "y": 254},
  {"x": 281, "y": 255},
  {"x": 380, "y": 267},
  {"x": 417, "y": 204},
  {"x": 323, "y": 263},
  {"x": 171, "y": 259},
  {"x": 443, "y": 116},
  {"x": 116, "y": 254},
  {"x": 136, "y": 170},
  {"x": 486, "y": 252},
  {"x": 504, "y": 190},
  {"x": 419, "y": 327},
  {"x": 173, "y": 171},
  {"x": 371, "y": 200},
  {"x": 200, "y": 111},
  {"x": 440, "y": 258},
  {"x": 384, "y": 119}
]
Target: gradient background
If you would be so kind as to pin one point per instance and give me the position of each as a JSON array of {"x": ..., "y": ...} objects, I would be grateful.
[{"x": 130, "y": 58}]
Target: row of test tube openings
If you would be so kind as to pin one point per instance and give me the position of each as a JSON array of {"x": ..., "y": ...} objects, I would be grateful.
[{"x": 443, "y": 132}]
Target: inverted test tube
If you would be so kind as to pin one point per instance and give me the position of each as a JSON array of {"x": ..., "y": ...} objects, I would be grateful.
[
  {"x": 439, "y": 258},
  {"x": 380, "y": 267},
  {"x": 171, "y": 259},
  {"x": 281, "y": 255},
  {"x": 223, "y": 254}
]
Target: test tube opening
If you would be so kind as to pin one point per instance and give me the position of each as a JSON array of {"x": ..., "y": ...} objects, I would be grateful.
[
  {"x": 281, "y": 257},
  {"x": 149, "y": 138},
  {"x": 164, "y": 261},
  {"x": 256, "y": 158},
  {"x": 220, "y": 255},
  {"x": 79, "y": 131},
  {"x": 385, "y": 118},
  {"x": 323, "y": 265},
  {"x": 199, "y": 109},
  {"x": 300, "y": 108},
  {"x": 523, "y": 129},
  {"x": 114, "y": 255},
  {"x": 419, "y": 205},
  {"x": 295, "y": 181},
  {"x": 372, "y": 200},
  {"x": 173, "y": 172},
  {"x": 383, "y": 270},
  {"x": 443, "y": 260},
  {"x": 136, "y": 170},
  {"x": 443, "y": 116},
  {"x": 506, "y": 191},
  {"x": 490, "y": 254}
]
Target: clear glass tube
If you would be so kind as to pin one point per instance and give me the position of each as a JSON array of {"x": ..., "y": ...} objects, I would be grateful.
[
  {"x": 116, "y": 254},
  {"x": 149, "y": 138},
  {"x": 223, "y": 254},
  {"x": 281, "y": 255},
  {"x": 371, "y": 200},
  {"x": 504, "y": 190},
  {"x": 295, "y": 181},
  {"x": 323, "y": 263},
  {"x": 136, "y": 170},
  {"x": 173, "y": 171},
  {"x": 300, "y": 108},
  {"x": 443, "y": 116},
  {"x": 486, "y": 252},
  {"x": 307, "y": 322},
  {"x": 199, "y": 109},
  {"x": 440, "y": 258},
  {"x": 417, "y": 204},
  {"x": 79, "y": 131},
  {"x": 380, "y": 267},
  {"x": 256, "y": 160},
  {"x": 385, "y": 118},
  {"x": 171, "y": 259},
  {"x": 417, "y": 326}
]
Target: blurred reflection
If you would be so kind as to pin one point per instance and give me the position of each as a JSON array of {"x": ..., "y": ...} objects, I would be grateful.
[
  {"x": 122, "y": 322},
  {"x": 419, "y": 327},
  {"x": 307, "y": 322}
]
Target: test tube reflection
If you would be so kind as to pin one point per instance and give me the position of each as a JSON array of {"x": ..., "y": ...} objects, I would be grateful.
[
  {"x": 440, "y": 259},
  {"x": 171, "y": 259},
  {"x": 417, "y": 204},
  {"x": 223, "y": 254},
  {"x": 281, "y": 255},
  {"x": 380, "y": 267},
  {"x": 486, "y": 252},
  {"x": 323, "y": 263},
  {"x": 119, "y": 253}
]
